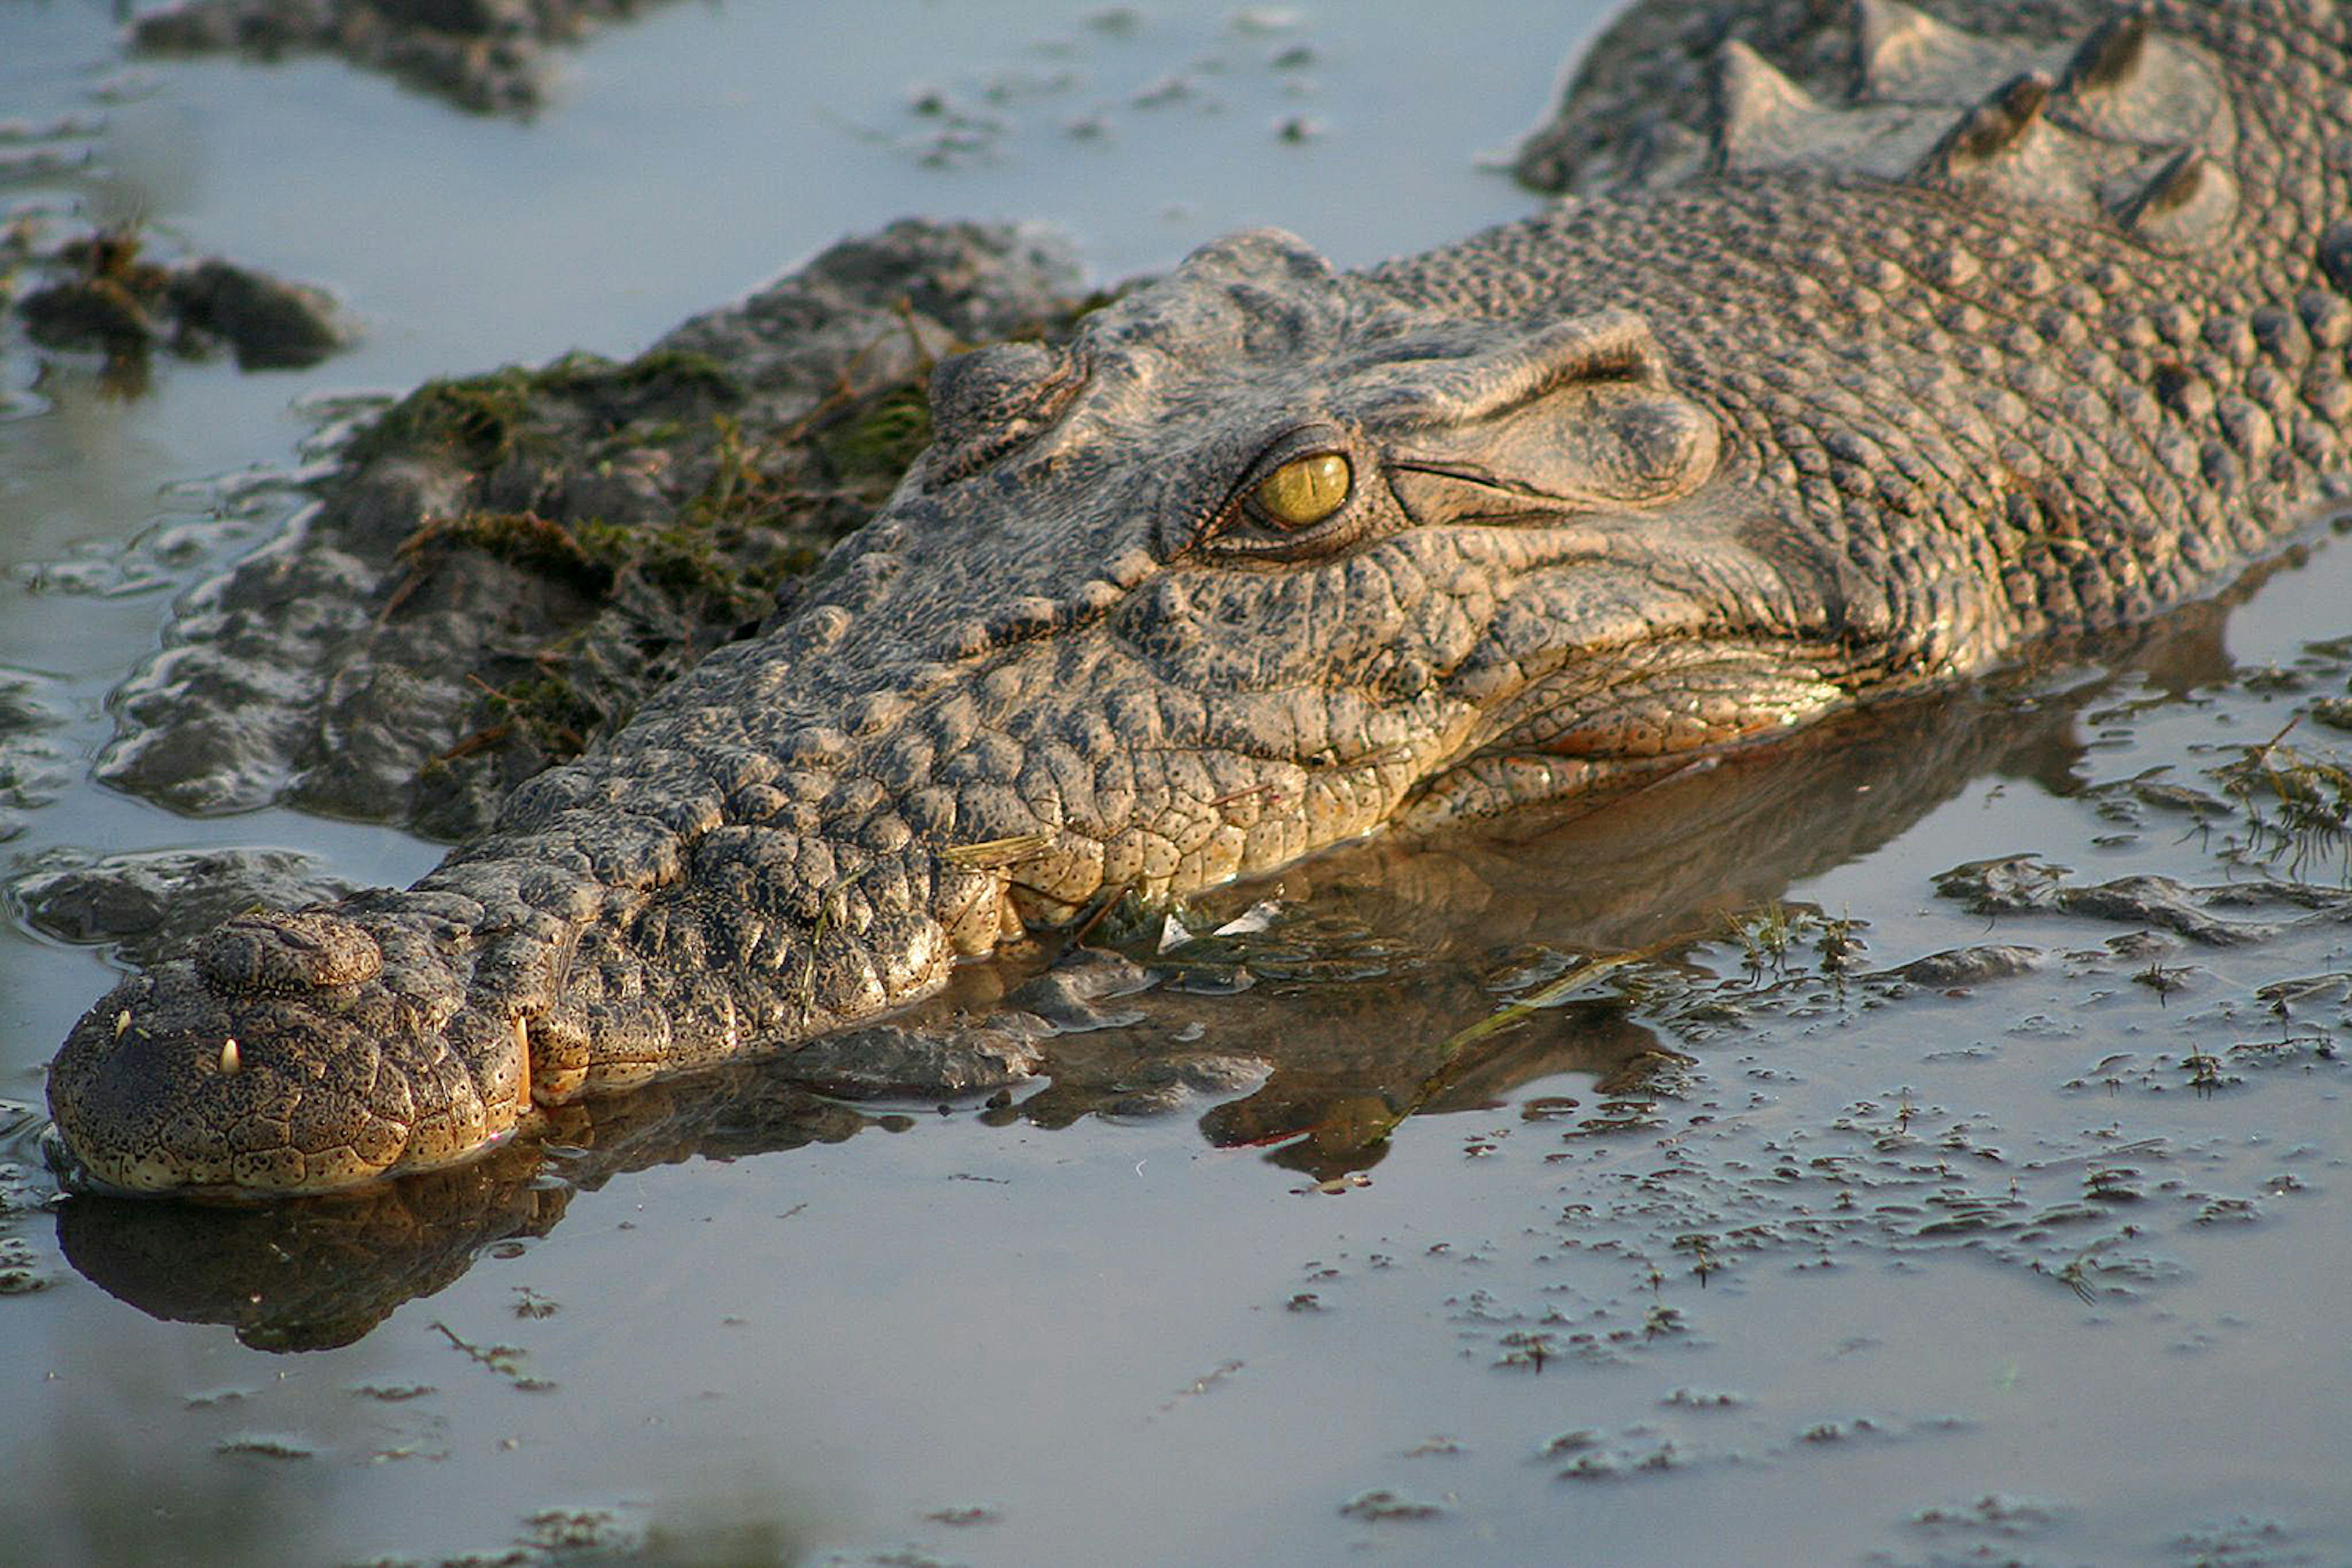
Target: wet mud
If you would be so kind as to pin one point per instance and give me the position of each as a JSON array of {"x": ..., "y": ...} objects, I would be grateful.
[{"x": 97, "y": 293}]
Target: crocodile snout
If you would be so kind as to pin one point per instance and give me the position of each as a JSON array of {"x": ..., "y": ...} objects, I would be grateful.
[{"x": 278, "y": 1056}]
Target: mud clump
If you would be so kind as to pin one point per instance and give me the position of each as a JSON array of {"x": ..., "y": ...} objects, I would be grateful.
[
  {"x": 269, "y": 323},
  {"x": 489, "y": 56},
  {"x": 146, "y": 905},
  {"x": 2023, "y": 884},
  {"x": 34, "y": 767},
  {"x": 101, "y": 292}
]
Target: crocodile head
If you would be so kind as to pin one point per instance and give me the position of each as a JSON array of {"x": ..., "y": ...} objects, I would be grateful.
[{"x": 1264, "y": 559}]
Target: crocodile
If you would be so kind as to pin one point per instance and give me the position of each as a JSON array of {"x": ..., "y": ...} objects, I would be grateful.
[
  {"x": 1383, "y": 1005},
  {"x": 2039, "y": 325}
]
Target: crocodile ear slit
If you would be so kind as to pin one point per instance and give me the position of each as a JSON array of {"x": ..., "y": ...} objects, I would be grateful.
[{"x": 1611, "y": 345}]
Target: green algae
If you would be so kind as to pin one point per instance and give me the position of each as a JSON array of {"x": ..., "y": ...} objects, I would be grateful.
[
  {"x": 586, "y": 557},
  {"x": 2296, "y": 803},
  {"x": 481, "y": 420},
  {"x": 868, "y": 452},
  {"x": 552, "y": 714}
]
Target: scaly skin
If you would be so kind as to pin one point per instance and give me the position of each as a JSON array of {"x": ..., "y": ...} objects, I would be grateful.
[{"x": 1566, "y": 501}]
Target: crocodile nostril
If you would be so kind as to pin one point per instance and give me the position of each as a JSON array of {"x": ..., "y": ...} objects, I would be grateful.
[{"x": 270, "y": 953}]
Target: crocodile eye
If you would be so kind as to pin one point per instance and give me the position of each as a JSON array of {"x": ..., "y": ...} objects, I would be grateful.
[{"x": 1305, "y": 490}]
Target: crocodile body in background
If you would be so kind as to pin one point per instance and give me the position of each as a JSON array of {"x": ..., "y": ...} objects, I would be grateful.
[{"x": 2034, "y": 332}]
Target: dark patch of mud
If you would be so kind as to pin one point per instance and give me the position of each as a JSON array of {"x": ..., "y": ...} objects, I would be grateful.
[
  {"x": 103, "y": 292},
  {"x": 146, "y": 905},
  {"x": 492, "y": 56},
  {"x": 501, "y": 568},
  {"x": 34, "y": 768},
  {"x": 2206, "y": 915}
]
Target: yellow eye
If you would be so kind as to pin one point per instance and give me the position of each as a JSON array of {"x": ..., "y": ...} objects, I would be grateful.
[{"x": 1305, "y": 490}]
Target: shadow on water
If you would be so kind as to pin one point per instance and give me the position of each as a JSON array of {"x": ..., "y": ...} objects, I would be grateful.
[
  {"x": 104, "y": 1491},
  {"x": 1365, "y": 989},
  {"x": 121, "y": 1502}
]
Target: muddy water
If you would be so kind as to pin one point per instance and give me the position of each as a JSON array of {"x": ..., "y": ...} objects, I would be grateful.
[{"x": 1756, "y": 1246}]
